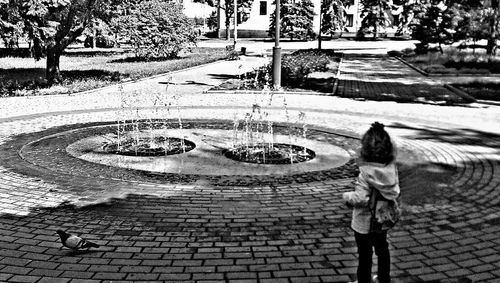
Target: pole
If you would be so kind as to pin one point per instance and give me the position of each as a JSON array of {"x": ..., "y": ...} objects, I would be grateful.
[
  {"x": 277, "y": 49},
  {"x": 235, "y": 23},
  {"x": 319, "y": 32}
]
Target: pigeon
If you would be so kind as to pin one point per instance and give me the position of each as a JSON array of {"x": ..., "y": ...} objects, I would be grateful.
[{"x": 74, "y": 242}]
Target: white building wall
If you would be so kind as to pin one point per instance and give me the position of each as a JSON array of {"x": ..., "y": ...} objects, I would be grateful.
[
  {"x": 197, "y": 10},
  {"x": 257, "y": 25},
  {"x": 256, "y": 20}
]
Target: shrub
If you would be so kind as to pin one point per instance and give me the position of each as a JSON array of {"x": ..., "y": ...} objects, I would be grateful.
[
  {"x": 16, "y": 88},
  {"x": 156, "y": 29},
  {"x": 295, "y": 69},
  {"x": 104, "y": 42},
  {"x": 440, "y": 69},
  {"x": 408, "y": 52}
]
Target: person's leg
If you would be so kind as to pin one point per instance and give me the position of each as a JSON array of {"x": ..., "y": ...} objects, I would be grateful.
[
  {"x": 365, "y": 253},
  {"x": 383, "y": 257}
]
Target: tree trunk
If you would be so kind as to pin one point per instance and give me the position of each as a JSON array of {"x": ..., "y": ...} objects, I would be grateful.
[
  {"x": 52, "y": 72},
  {"x": 491, "y": 45}
]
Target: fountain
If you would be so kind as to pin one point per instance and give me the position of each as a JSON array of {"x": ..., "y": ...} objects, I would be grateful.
[
  {"x": 151, "y": 141},
  {"x": 253, "y": 136},
  {"x": 146, "y": 136},
  {"x": 254, "y": 140}
]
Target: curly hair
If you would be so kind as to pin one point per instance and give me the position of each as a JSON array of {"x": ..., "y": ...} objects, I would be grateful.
[{"x": 376, "y": 145}]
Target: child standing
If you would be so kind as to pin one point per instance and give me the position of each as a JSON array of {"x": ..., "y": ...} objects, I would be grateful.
[{"x": 377, "y": 171}]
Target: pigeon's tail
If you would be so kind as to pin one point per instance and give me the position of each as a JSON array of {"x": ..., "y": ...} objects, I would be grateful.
[{"x": 88, "y": 245}]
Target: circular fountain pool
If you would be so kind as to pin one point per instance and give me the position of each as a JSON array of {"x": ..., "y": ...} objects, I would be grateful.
[{"x": 84, "y": 149}]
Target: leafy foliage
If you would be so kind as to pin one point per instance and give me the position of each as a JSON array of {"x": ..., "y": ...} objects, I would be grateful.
[
  {"x": 405, "y": 17},
  {"x": 436, "y": 23},
  {"x": 243, "y": 6},
  {"x": 296, "y": 20},
  {"x": 155, "y": 28},
  {"x": 11, "y": 25},
  {"x": 212, "y": 20},
  {"x": 375, "y": 16},
  {"x": 297, "y": 66},
  {"x": 50, "y": 25},
  {"x": 332, "y": 16}
]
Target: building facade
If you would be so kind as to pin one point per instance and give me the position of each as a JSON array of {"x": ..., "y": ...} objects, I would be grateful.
[
  {"x": 259, "y": 18},
  {"x": 257, "y": 24}
]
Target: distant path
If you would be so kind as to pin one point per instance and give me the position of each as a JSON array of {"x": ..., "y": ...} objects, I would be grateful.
[{"x": 380, "y": 77}]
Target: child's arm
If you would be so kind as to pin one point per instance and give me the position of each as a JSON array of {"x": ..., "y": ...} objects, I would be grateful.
[{"x": 361, "y": 194}]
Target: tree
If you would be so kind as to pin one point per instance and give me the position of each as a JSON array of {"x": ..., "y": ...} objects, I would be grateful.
[
  {"x": 212, "y": 20},
  {"x": 472, "y": 25},
  {"x": 296, "y": 20},
  {"x": 405, "y": 14},
  {"x": 50, "y": 26},
  {"x": 375, "y": 16},
  {"x": 436, "y": 23},
  {"x": 155, "y": 28},
  {"x": 494, "y": 27},
  {"x": 244, "y": 7},
  {"x": 11, "y": 25},
  {"x": 332, "y": 16}
]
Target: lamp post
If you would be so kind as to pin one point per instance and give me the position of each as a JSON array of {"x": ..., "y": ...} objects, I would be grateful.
[
  {"x": 235, "y": 22},
  {"x": 277, "y": 50},
  {"x": 320, "y": 23}
]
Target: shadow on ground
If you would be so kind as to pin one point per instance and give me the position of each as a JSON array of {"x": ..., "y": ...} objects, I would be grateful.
[
  {"x": 36, "y": 76},
  {"x": 428, "y": 181},
  {"x": 408, "y": 92},
  {"x": 389, "y": 83}
]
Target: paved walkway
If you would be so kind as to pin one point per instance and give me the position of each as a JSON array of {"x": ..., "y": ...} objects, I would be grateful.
[
  {"x": 389, "y": 79},
  {"x": 297, "y": 231}
]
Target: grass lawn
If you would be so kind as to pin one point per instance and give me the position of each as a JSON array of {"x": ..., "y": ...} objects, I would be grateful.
[
  {"x": 454, "y": 62},
  {"x": 85, "y": 69},
  {"x": 481, "y": 90}
]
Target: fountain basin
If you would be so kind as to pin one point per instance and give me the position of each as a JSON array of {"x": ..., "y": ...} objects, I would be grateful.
[{"x": 208, "y": 158}]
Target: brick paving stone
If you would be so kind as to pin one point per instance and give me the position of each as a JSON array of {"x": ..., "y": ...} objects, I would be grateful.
[
  {"x": 24, "y": 278},
  {"x": 433, "y": 277},
  {"x": 142, "y": 276},
  {"x": 458, "y": 273},
  {"x": 16, "y": 270},
  {"x": 78, "y": 274},
  {"x": 208, "y": 276},
  {"x": 469, "y": 263},
  {"x": 479, "y": 277},
  {"x": 232, "y": 268},
  {"x": 240, "y": 275},
  {"x": 54, "y": 280}
]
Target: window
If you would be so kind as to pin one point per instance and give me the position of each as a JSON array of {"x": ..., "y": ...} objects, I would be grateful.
[
  {"x": 263, "y": 7},
  {"x": 349, "y": 19}
]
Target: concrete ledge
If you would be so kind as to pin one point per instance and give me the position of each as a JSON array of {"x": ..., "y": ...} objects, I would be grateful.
[{"x": 460, "y": 93}]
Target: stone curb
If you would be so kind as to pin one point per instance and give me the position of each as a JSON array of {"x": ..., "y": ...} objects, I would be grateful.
[
  {"x": 336, "y": 84},
  {"x": 412, "y": 66},
  {"x": 460, "y": 93}
]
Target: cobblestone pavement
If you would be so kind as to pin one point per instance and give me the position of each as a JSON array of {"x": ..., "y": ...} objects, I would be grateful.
[
  {"x": 296, "y": 231},
  {"x": 388, "y": 79}
]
